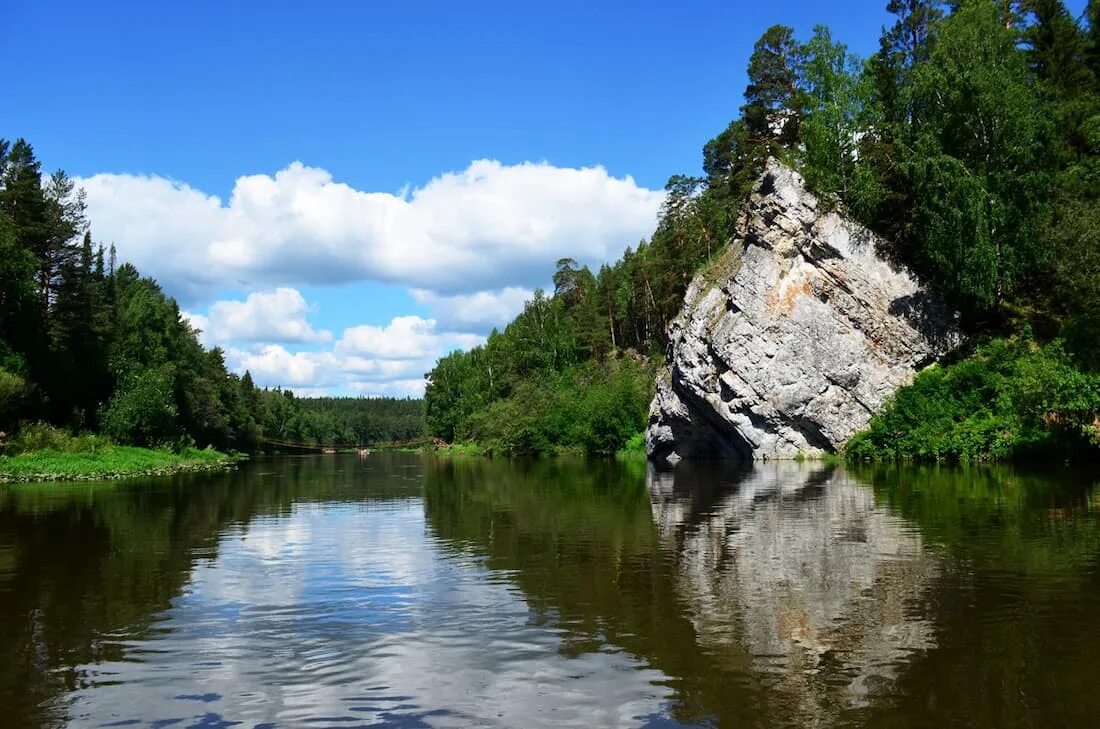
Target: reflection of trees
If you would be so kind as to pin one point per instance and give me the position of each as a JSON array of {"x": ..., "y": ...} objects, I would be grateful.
[
  {"x": 998, "y": 517},
  {"x": 1017, "y": 604},
  {"x": 802, "y": 570},
  {"x": 578, "y": 538},
  {"x": 85, "y": 569}
]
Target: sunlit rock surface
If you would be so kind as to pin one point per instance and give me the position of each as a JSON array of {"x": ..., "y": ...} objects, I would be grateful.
[
  {"x": 794, "y": 337},
  {"x": 798, "y": 568}
]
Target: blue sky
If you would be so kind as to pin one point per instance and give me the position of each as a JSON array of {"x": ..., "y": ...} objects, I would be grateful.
[{"x": 385, "y": 179}]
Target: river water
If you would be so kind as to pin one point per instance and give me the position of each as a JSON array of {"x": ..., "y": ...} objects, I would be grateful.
[{"x": 409, "y": 591}]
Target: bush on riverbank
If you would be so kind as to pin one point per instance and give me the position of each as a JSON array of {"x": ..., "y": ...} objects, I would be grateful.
[
  {"x": 32, "y": 437},
  {"x": 1011, "y": 399}
]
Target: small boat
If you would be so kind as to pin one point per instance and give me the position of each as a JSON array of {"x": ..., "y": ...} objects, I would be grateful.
[{"x": 328, "y": 451}]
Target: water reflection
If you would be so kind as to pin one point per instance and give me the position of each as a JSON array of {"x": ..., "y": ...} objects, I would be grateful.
[
  {"x": 323, "y": 602},
  {"x": 801, "y": 568},
  {"x": 409, "y": 591}
]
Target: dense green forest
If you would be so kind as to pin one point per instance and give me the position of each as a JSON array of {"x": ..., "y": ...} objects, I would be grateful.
[
  {"x": 970, "y": 140},
  {"x": 92, "y": 346},
  {"x": 354, "y": 420}
]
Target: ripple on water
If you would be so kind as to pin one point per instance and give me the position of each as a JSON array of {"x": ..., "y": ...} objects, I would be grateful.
[{"x": 352, "y": 616}]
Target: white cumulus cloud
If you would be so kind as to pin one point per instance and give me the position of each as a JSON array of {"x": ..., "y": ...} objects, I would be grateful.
[
  {"x": 486, "y": 228},
  {"x": 481, "y": 310},
  {"x": 273, "y": 365},
  {"x": 369, "y": 360},
  {"x": 265, "y": 316},
  {"x": 406, "y": 337}
]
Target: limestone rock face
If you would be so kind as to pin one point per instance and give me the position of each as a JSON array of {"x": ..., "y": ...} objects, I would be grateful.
[{"x": 794, "y": 337}]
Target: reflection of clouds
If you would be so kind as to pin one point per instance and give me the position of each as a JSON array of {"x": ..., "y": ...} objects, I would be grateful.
[
  {"x": 349, "y": 614},
  {"x": 801, "y": 568},
  {"x": 268, "y": 538}
]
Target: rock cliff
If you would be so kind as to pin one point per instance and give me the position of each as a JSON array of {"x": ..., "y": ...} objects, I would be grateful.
[{"x": 794, "y": 337}]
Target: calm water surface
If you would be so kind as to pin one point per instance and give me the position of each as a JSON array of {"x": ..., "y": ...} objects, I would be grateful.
[{"x": 406, "y": 591}]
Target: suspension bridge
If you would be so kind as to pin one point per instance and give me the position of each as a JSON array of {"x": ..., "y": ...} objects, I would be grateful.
[{"x": 338, "y": 447}]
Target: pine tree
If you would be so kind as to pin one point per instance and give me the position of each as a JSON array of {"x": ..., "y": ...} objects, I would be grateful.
[
  {"x": 21, "y": 194},
  {"x": 23, "y": 204},
  {"x": 18, "y": 299},
  {"x": 730, "y": 164},
  {"x": 772, "y": 102},
  {"x": 902, "y": 47},
  {"x": 1092, "y": 15},
  {"x": 65, "y": 221},
  {"x": 1057, "y": 48}
]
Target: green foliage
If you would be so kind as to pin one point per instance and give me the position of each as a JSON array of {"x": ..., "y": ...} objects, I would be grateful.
[
  {"x": 34, "y": 437},
  {"x": 13, "y": 389},
  {"x": 1011, "y": 398},
  {"x": 1092, "y": 46},
  {"x": 143, "y": 410},
  {"x": 833, "y": 100},
  {"x": 591, "y": 408},
  {"x": 559, "y": 377},
  {"x": 634, "y": 446},
  {"x": 990, "y": 166},
  {"x": 772, "y": 110},
  {"x": 978, "y": 168},
  {"x": 348, "y": 421}
]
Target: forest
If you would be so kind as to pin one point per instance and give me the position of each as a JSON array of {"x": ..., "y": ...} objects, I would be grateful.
[
  {"x": 970, "y": 140},
  {"x": 88, "y": 345}
]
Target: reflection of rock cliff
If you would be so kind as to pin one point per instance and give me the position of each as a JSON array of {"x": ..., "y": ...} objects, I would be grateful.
[
  {"x": 801, "y": 569},
  {"x": 793, "y": 338}
]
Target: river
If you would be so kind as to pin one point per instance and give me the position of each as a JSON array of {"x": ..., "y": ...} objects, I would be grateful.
[{"x": 411, "y": 591}]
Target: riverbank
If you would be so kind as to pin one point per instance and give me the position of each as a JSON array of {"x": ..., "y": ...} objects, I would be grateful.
[
  {"x": 109, "y": 462},
  {"x": 633, "y": 449}
]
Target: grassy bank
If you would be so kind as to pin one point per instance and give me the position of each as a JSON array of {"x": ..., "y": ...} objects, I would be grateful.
[
  {"x": 633, "y": 449},
  {"x": 108, "y": 462}
]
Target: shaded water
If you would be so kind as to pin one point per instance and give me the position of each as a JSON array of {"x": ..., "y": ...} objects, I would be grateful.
[{"x": 408, "y": 591}]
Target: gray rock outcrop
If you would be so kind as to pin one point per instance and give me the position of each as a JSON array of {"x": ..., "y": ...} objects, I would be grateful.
[{"x": 794, "y": 337}]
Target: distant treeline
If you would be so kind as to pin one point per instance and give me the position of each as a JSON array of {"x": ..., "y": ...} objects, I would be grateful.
[
  {"x": 93, "y": 346},
  {"x": 970, "y": 140},
  {"x": 354, "y": 421}
]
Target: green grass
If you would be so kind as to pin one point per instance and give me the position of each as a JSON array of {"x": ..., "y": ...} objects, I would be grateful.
[
  {"x": 634, "y": 446},
  {"x": 462, "y": 448},
  {"x": 108, "y": 462},
  {"x": 721, "y": 267}
]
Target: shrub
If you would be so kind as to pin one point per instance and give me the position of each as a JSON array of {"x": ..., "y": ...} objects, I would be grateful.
[
  {"x": 1011, "y": 398},
  {"x": 143, "y": 411},
  {"x": 44, "y": 437},
  {"x": 13, "y": 389}
]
